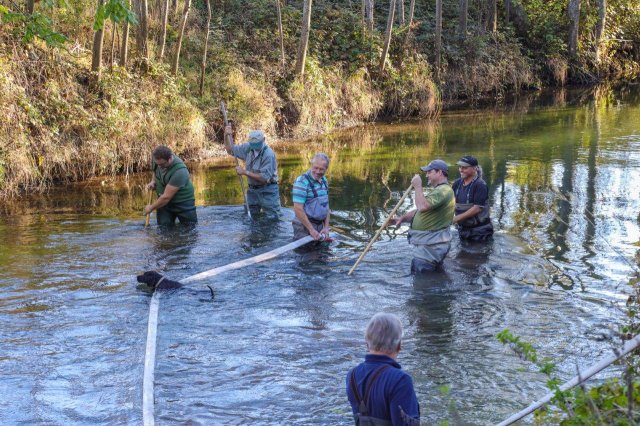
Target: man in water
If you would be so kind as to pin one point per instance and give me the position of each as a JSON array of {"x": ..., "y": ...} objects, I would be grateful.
[
  {"x": 430, "y": 221},
  {"x": 171, "y": 180},
  {"x": 261, "y": 170},
  {"x": 311, "y": 201},
  {"x": 472, "y": 210},
  {"x": 379, "y": 392}
]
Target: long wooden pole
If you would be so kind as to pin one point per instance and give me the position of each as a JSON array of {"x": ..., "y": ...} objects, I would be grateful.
[
  {"x": 244, "y": 194},
  {"x": 386, "y": 222},
  {"x": 148, "y": 217}
]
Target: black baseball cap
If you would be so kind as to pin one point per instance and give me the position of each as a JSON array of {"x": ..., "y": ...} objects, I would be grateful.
[{"x": 468, "y": 161}]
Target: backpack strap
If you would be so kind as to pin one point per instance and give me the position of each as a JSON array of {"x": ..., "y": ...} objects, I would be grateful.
[{"x": 362, "y": 403}]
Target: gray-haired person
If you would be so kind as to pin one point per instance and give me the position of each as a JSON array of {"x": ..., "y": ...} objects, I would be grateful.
[
  {"x": 311, "y": 201},
  {"x": 379, "y": 391},
  {"x": 261, "y": 170}
]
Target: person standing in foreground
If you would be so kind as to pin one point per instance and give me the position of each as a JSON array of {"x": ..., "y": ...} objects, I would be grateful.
[
  {"x": 379, "y": 392},
  {"x": 261, "y": 170},
  {"x": 311, "y": 201},
  {"x": 176, "y": 198},
  {"x": 430, "y": 221},
  {"x": 472, "y": 211}
]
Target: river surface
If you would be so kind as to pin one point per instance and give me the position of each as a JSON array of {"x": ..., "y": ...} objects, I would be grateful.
[{"x": 274, "y": 345}]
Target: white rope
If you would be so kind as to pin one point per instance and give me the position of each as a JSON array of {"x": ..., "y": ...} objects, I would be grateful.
[
  {"x": 580, "y": 378},
  {"x": 154, "y": 306}
]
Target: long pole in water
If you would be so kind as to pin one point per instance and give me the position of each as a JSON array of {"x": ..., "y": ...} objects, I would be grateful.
[
  {"x": 580, "y": 378},
  {"x": 154, "y": 306},
  {"x": 148, "y": 216},
  {"x": 386, "y": 222},
  {"x": 244, "y": 194}
]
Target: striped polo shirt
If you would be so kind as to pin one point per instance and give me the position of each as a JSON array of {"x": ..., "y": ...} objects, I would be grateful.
[{"x": 302, "y": 188}]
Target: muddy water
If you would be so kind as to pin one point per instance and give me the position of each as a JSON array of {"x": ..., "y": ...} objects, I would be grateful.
[{"x": 275, "y": 343}]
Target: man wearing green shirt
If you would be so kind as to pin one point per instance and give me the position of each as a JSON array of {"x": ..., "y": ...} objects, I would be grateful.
[
  {"x": 176, "y": 197},
  {"x": 430, "y": 221}
]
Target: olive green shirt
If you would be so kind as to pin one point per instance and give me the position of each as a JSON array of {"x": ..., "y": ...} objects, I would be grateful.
[{"x": 443, "y": 203}]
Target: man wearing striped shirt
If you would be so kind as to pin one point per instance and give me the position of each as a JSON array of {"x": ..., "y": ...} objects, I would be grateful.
[{"x": 311, "y": 201}]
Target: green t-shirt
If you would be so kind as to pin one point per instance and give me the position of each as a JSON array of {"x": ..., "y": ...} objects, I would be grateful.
[{"x": 443, "y": 203}]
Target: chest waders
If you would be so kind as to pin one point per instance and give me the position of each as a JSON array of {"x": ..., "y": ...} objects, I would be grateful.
[
  {"x": 363, "y": 418},
  {"x": 317, "y": 208},
  {"x": 481, "y": 218}
]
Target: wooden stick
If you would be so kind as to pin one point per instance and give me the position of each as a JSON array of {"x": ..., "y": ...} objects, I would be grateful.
[
  {"x": 146, "y": 219},
  {"x": 244, "y": 194},
  {"x": 375, "y": 237}
]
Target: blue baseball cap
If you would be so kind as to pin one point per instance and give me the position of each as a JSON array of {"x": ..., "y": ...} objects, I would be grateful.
[{"x": 435, "y": 165}]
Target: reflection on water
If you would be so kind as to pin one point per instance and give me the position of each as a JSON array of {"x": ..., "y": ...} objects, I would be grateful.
[{"x": 274, "y": 345}]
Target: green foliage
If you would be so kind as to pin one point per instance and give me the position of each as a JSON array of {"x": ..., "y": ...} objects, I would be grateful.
[
  {"x": 602, "y": 404},
  {"x": 32, "y": 26},
  {"x": 115, "y": 10}
]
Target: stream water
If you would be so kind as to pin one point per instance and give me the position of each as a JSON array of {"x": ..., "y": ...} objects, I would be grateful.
[{"x": 275, "y": 344}]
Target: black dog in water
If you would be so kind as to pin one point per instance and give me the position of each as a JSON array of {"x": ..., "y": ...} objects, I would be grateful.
[{"x": 158, "y": 281}]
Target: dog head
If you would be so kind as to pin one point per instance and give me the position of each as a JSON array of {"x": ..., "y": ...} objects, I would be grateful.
[{"x": 150, "y": 278}]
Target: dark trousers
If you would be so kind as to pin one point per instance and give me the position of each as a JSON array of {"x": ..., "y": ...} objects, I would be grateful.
[
  {"x": 185, "y": 212},
  {"x": 478, "y": 233}
]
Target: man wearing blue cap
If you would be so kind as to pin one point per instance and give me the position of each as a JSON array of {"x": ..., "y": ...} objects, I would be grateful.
[
  {"x": 260, "y": 169},
  {"x": 472, "y": 209},
  {"x": 430, "y": 221}
]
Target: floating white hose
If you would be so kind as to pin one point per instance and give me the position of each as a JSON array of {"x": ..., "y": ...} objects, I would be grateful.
[{"x": 154, "y": 306}]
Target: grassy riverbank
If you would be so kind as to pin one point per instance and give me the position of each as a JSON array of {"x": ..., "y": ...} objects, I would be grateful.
[{"x": 59, "y": 123}]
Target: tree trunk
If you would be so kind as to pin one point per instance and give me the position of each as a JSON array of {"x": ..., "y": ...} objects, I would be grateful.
[
  {"x": 183, "y": 25},
  {"x": 174, "y": 7},
  {"x": 412, "y": 8},
  {"x": 114, "y": 29},
  {"x": 574, "y": 22},
  {"x": 281, "y": 32},
  {"x": 142, "y": 34},
  {"x": 387, "y": 35},
  {"x": 206, "y": 46},
  {"x": 492, "y": 20},
  {"x": 507, "y": 11},
  {"x": 401, "y": 11},
  {"x": 304, "y": 38},
  {"x": 163, "y": 30},
  {"x": 124, "y": 49},
  {"x": 96, "y": 51},
  {"x": 462, "y": 15},
  {"x": 370, "y": 15},
  {"x": 602, "y": 17},
  {"x": 30, "y": 6},
  {"x": 438, "y": 37}
]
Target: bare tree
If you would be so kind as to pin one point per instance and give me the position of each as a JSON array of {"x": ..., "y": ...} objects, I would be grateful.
[
  {"x": 463, "y": 12},
  {"x": 492, "y": 16},
  {"x": 387, "y": 34},
  {"x": 206, "y": 46},
  {"x": 438, "y": 37},
  {"x": 163, "y": 30},
  {"x": 574, "y": 22},
  {"x": 124, "y": 49},
  {"x": 369, "y": 7},
  {"x": 281, "y": 32},
  {"x": 304, "y": 38},
  {"x": 114, "y": 30},
  {"x": 96, "y": 51},
  {"x": 174, "y": 7},
  {"x": 30, "y": 6},
  {"x": 507, "y": 11},
  {"x": 401, "y": 11},
  {"x": 142, "y": 34},
  {"x": 602, "y": 17},
  {"x": 183, "y": 25},
  {"x": 412, "y": 8}
]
